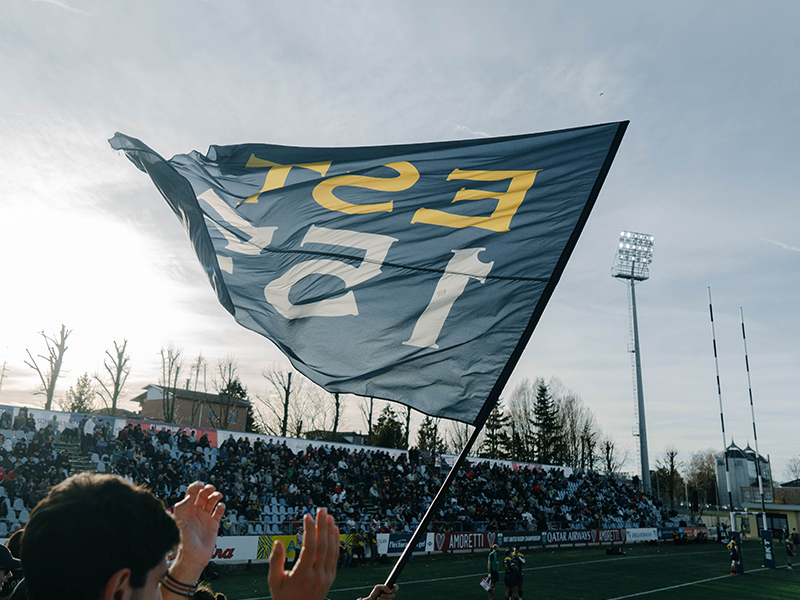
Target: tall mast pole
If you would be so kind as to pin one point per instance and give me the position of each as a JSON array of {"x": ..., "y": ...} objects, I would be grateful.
[{"x": 721, "y": 416}]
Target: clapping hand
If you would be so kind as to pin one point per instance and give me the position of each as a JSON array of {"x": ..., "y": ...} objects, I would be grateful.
[{"x": 315, "y": 570}]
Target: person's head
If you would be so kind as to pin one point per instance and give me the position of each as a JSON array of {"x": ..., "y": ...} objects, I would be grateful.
[
  {"x": 205, "y": 593},
  {"x": 494, "y": 547},
  {"x": 95, "y": 535},
  {"x": 7, "y": 564},
  {"x": 14, "y": 543}
]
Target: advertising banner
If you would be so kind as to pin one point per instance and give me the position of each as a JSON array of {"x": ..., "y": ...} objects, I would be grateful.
[
  {"x": 667, "y": 533},
  {"x": 557, "y": 538},
  {"x": 768, "y": 548},
  {"x": 473, "y": 540},
  {"x": 644, "y": 534},
  {"x": 694, "y": 532},
  {"x": 507, "y": 539},
  {"x": 236, "y": 549},
  {"x": 395, "y": 543},
  {"x": 584, "y": 536}
]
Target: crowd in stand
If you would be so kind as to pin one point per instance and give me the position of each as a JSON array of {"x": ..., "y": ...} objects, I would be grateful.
[{"x": 268, "y": 487}]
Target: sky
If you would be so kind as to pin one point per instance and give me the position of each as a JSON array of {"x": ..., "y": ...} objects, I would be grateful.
[{"x": 708, "y": 166}]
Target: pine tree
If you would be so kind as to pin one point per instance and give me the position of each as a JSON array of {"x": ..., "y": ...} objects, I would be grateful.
[
  {"x": 388, "y": 432},
  {"x": 252, "y": 424},
  {"x": 496, "y": 441},
  {"x": 548, "y": 434},
  {"x": 428, "y": 439},
  {"x": 80, "y": 399}
]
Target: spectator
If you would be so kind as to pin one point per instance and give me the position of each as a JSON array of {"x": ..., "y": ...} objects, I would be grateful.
[{"x": 84, "y": 518}]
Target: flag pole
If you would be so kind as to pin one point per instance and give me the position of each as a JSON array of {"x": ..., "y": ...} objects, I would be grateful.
[
  {"x": 440, "y": 495},
  {"x": 494, "y": 394}
]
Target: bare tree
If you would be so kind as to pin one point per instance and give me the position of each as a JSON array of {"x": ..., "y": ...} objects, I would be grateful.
[
  {"x": 612, "y": 458},
  {"x": 458, "y": 435},
  {"x": 199, "y": 371},
  {"x": 112, "y": 383},
  {"x": 229, "y": 391},
  {"x": 293, "y": 405},
  {"x": 668, "y": 467},
  {"x": 54, "y": 359},
  {"x": 337, "y": 402},
  {"x": 366, "y": 408},
  {"x": 522, "y": 430},
  {"x": 407, "y": 429},
  {"x": 701, "y": 475},
  {"x": 171, "y": 367},
  {"x": 792, "y": 470},
  {"x": 580, "y": 433}
]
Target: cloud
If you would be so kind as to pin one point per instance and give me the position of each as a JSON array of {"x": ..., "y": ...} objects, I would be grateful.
[
  {"x": 782, "y": 245},
  {"x": 64, "y": 6},
  {"x": 462, "y": 129}
]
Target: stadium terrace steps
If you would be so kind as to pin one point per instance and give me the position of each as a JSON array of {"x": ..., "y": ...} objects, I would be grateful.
[{"x": 79, "y": 462}]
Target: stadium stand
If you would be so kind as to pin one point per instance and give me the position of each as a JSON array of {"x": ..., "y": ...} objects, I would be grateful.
[{"x": 268, "y": 487}]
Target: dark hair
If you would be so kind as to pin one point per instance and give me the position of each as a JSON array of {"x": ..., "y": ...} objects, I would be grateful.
[
  {"x": 14, "y": 543},
  {"x": 206, "y": 593},
  {"x": 87, "y": 529}
]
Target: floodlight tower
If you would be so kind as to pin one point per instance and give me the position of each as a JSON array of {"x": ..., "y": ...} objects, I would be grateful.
[{"x": 634, "y": 255}]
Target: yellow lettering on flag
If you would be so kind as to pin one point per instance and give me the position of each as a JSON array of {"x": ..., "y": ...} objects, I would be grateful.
[
  {"x": 507, "y": 202},
  {"x": 277, "y": 174},
  {"x": 323, "y": 192}
]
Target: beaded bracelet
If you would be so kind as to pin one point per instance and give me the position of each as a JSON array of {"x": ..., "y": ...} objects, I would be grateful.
[{"x": 176, "y": 587}]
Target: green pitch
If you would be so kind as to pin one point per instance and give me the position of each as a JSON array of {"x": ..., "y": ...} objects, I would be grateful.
[{"x": 645, "y": 572}]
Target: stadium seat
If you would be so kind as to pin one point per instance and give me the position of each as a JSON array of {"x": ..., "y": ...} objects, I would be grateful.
[
  {"x": 101, "y": 467},
  {"x": 250, "y": 529},
  {"x": 2, "y": 491},
  {"x": 19, "y": 434},
  {"x": 259, "y": 529},
  {"x": 24, "y": 515},
  {"x": 3, "y": 529},
  {"x": 30, "y": 435},
  {"x": 95, "y": 457},
  {"x": 18, "y": 504}
]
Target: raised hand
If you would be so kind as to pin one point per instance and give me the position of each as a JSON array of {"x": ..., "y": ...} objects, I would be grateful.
[
  {"x": 197, "y": 516},
  {"x": 315, "y": 570}
]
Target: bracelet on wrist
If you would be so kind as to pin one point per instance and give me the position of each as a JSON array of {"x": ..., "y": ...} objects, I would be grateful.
[{"x": 176, "y": 587}]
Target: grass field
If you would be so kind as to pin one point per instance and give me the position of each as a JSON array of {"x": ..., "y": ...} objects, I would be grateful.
[{"x": 666, "y": 571}]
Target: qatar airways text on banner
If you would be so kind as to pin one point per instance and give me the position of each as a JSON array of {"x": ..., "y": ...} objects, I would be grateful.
[
  {"x": 473, "y": 540},
  {"x": 585, "y": 536}
]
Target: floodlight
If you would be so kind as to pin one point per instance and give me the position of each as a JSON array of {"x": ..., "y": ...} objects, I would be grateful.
[{"x": 634, "y": 255}]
